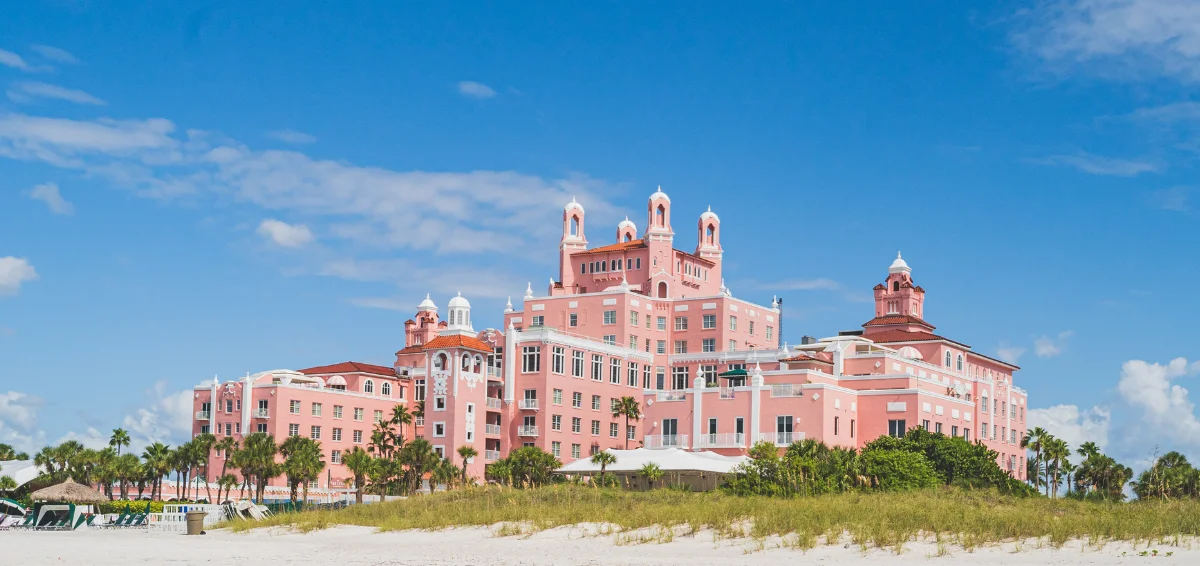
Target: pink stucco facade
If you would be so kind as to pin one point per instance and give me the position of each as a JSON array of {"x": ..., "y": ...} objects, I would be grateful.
[{"x": 641, "y": 318}]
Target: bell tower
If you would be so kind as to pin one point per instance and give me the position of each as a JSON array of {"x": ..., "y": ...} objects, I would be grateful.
[
  {"x": 898, "y": 295},
  {"x": 572, "y": 241}
]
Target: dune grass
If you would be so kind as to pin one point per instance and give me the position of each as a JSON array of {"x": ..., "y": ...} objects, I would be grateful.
[{"x": 886, "y": 520}]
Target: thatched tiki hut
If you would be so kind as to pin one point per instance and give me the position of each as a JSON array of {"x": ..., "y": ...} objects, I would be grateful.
[{"x": 64, "y": 505}]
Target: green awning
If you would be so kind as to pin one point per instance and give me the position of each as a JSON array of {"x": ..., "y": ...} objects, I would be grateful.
[{"x": 734, "y": 373}]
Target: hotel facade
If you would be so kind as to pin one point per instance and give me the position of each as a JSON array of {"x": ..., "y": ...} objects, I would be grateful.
[{"x": 639, "y": 318}]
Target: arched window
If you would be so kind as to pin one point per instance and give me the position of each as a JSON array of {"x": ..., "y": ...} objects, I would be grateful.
[
  {"x": 662, "y": 289},
  {"x": 439, "y": 361},
  {"x": 368, "y": 386},
  {"x": 960, "y": 362},
  {"x": 616, "y": 265},
  {"x": 478, "y": 365},
  {"x": 660, "y": 215},
  {"x": 895, "y": 285},
  {"x": 708, "y": 234},
  {"x": 466, "y": 362},
  {"x": 628, "y": 236},
  {"x": 947, "y": 358},
  {"x": 386, "y": 389},
  {"x": 574, "y": 225}
]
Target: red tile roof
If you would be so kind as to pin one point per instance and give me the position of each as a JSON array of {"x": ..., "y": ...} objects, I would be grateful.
[
  {"x": 351, "y": 367},
  {"x": 890, "y": 336},
  {"x": 618, "y": 247},
  {"x": 457, "y": 341},
  {"x": 804, "y": 357},
  {"x": 897, "y": 319}
]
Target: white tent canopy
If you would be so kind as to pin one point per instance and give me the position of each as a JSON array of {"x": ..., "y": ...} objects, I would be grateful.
[
  {"x": 21, "y": 471},
  {"x": 667, "y": 459}
]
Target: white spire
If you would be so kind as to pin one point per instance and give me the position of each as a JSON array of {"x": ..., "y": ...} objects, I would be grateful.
[
  {"x": 725, "y": 290},
  {"x": 624, "y": 283},
  {"x": 427, "y": 304},
  {"x": 710, "y": 214},
  {"x": 899, "y": 266},
  {"x": 529, "y": 290},
  {"x": 573, "y": 204},
  {"x": 660, "y": 194},
  {"x": 508, "y": 305}
]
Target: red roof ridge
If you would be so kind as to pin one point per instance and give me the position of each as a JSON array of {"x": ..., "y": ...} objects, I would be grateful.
[
  {"x": 889, "y": 319},
  {"x": 350, "y": 367}
]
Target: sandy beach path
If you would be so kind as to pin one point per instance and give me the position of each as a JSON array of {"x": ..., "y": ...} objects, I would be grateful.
[{"x": 356, "y": 546}]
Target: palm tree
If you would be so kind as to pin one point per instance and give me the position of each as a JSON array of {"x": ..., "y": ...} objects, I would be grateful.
[
  {"x": 1056, "y": 453},
  {"x": 651, "y": 472},
  {"x": 1033, "y": 440},
  {"x": 627, "y": 407},
  {"x": 418, "y": 458},
  {"x": 303, "y": 462},
  {"x": 157, "y": 459},
  {"x": 7, "y": 484},
  {"x": 127, "y": 467},
  {"x": 382, "y": 439},
  {"x": 9, "y": 453},
  {"x": 466, "y": 453},
  {"x": 227, "y": 446},
  {"x": 203, "y": 444},
  {"x": 256, "y": 459},
  {"x": 401, "y": 418},
  {"x": 361, "y": 464},
  {"x": 603, "y": 458},
  {"x": 120, "y": 437}
]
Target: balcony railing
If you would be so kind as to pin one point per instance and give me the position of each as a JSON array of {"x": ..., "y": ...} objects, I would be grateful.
[
  {"x": 262, "y": 414},
  {"x": 787, "y": 390},
  {"x": 781, "y": 438},
  {"x": 528, "y": 404},
  {"x": 491, "y": 455},
  {"x": 492, "y": 430},
  {"x": 656, "y": 441},
  {"x": 721, "y": 440},
  {"x": 495, "y": 372},
  {"x": 676, "y": 395},
  {"x": 726, "y": 392},
  {"x": 203, "y": 416},
  {"x": 527, "y": 430},
  {"x": 493, "y": 403}
]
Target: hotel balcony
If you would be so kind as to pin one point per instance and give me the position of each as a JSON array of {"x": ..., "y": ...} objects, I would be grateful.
[
  {"x": 781, "y": 438},
  {"x": 721, "y": 440},
  {"x": 787, "y": 390},
  {"x": 203, "y": 416},
  {"x": 262, "y": 414},
  {"x": 491, "y": 455},
  {"x": 494, "y": 403},
  {"x": 527, "y": 431},
  {"x": 495, "y": 373},
  {"x": 528, "y": 404},
  {"x": 657, "y": 441},
  {"x": 491, "y": 429},
  {"x": 675, "y": 395}
]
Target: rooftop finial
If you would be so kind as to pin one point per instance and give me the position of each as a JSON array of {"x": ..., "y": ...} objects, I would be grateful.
[
  {"x": 529, "y": 290},
  {"x": 898, "y": 255},
  {"x": 508, "y": 305}
]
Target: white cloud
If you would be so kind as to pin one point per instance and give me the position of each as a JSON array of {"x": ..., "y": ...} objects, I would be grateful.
[
  {"x": 19, "y": 409},
  {"x": 167, "y": 419},
  {"x": 63, "y": 143},
  {"x": 1010, "y": 354},
  {"x": 1165, "y": 405},
  {"x": 1099, "y": 165},
  {"x": 13, "y": 272},
  {"x": 292, "y": 136},
  {"x": 1049, "y": 347},
  {"x": 1068, "y": 423},
  {"x": 472, "y": 89},
  {"x": 54, "y": 54},
  {"x": 89, "y": 438},
  {"x": 284, "y": 234},
  {"x": 10, "y": 59},
  {"x": 1116, "y": 39},
  {"x": 30, "y": 91},
  {"x": 49, "y": 194}
]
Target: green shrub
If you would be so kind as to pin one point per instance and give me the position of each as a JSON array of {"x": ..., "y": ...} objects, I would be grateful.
[{"x": 894, "y": 470}]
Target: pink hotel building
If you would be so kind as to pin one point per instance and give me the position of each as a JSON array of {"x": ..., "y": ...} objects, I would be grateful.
[{"x": 640, "y": 318}]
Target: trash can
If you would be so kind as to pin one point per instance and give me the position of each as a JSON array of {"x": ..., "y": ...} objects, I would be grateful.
[{"x": 195, "y": 522}]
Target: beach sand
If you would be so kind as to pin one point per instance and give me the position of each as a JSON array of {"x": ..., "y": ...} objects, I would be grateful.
[{"x": 359, "y": 546}]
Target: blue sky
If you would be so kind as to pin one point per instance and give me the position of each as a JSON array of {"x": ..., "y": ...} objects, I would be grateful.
[{"x": 210, "y": 188}]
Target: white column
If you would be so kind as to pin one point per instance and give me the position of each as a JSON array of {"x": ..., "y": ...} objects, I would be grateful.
[
  {"x": 510, "y": 363},
  {"x": 248, "y": 404},
  {"x": 756, "y": 387},
  {"x": 457, "y": 361},
  {"x": 697, "y": 407},
  {"x": 212, "y": 405}
]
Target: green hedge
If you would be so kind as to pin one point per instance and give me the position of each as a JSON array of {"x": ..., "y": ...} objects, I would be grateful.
[{"x": 134, "y": 506}]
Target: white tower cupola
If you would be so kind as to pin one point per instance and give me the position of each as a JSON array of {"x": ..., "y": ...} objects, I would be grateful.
[{"x": 459, "y": 316}]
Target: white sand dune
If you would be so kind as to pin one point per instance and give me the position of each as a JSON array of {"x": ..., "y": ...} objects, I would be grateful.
[{"x": 355, "y": 546}]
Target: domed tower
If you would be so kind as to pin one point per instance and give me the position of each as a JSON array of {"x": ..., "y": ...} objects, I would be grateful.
[
  {"x": 708, "y": 236},
  {"x": 898, "y": 295},
  {"x": 459, "y": 317},
  {"x": 572, "y": 241},
  {"x": 626, "y": 231},
  {"x": 424, "y": 326},
  {"x": 658, "y": 217}
]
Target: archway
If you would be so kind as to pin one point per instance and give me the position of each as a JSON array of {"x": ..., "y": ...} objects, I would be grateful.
[{"x": 662, "y": 289}]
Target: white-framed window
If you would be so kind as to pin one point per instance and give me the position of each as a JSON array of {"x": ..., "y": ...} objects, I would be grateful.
[
  {"x": 614, "y": 430},
  {"x": 733, "y": 345},
  {"x": 633, "y": 342},
  {"x": 439, "y": 429},
  {"x": 960, "y": 362},
  {"x": 316, "y": 409},
  {"x": 261, "y": 427},
  {"x": 555, "y": 422},
  {"x": 681, "y": 346},
  {"x": 662, "y": 323},
  {"x": 439, "y": 450},
  {"x": 293, "y": 429},
  {"x": 378, "y": 416},
  {"x": 595, "y": 402},
  {"x": 597, "y": 367},
  {"x": 770, "y": 333},
  {"x": 732, "y": 322},
  {"x": 576, "y": 424},
  {"x": 557, "y": 359},
  {"x": 610, "y": 317},
  {"x": 632, "y": 374},
  {"x": 708, "y": 345},
  {"x": 947, "y": 358},
  {"x": 439, "y": 402},
  {"x": 633, "y": 318},
  {"x": 614, "y": 371},
  {"x": 531, "y": 359},
  {"x": 610, "y": 339},
  {"x": 335, "y": 457},
  {"x": 577, "y": 400},
  {"x": 368, "y": 386},
  {"x": 538, "y": 320},
  {"x": 358, "y": 414},
  {"x": 294, "y": 407},
  {"x": 752, "y": 328},
  {"x": 681, "y": 323},
  {"x": 679, "y": 378},
  {"x": 661, "y": 347},
  {"x": 575, "y": 451},
  {"x": 576, "y": 363},
  {"x": 337, "y": 411},
  {"x": 356, "y": 436},
  {"x": 386, "y": 389},
  {"x": 573, "y": 320},
  {"x": 556, "y": 449},
  {"x": 595, "y": 428},
  {"x": 709, "y": 321},
  {"x": 983, "y": 404},
  {"x": 709, "y": 372},
  {"x": 336, "y": 435},
  {"x": 558, "y": 396}
]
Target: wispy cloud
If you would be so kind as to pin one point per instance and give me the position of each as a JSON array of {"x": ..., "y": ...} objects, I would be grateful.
[
  {"x": 472, "y": 89},
  {"x": 1174, "y": 198},
  {"x": 1075, "y": 426},
  {"x": 1100, "y": 165},
  {"x": 1051, "y": 346},
  {"x": 54, "y": 54},
  {"x": 49, "y": 194},
  {"x": 816, "y": 284},
  {"x": 31, "y": 91},
  {"x": 292, "y": 136},
  {"x": 1010, "y": 354},
  {"x": 1116, "y": 39},
  {"x": 414, "y": 279},
  {"x": 10, "y": 59},
  {"x": 15, "y": 271},
  {"x": 284, "y": 234}
]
